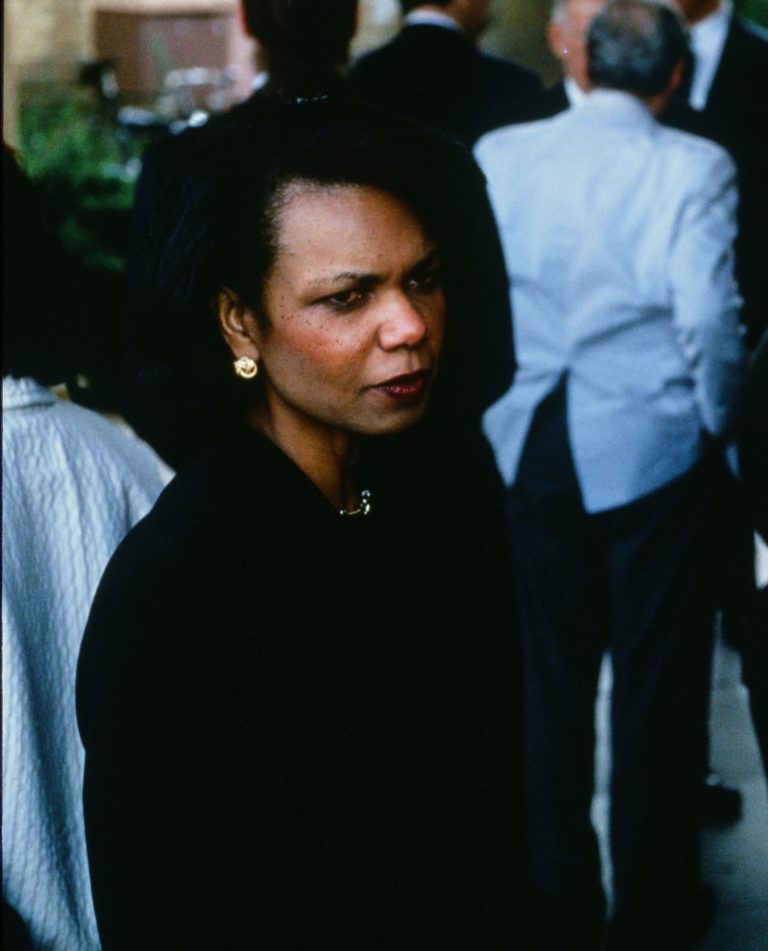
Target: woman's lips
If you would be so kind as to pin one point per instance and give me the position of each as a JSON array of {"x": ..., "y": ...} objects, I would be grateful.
[{"x": 405, "y": 388}]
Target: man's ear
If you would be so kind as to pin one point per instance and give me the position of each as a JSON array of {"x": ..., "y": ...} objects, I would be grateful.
[
  {"x": 676, "y": 76},
  {"x": 556, "y": 40},
  {"x": 238, "y": 325}
]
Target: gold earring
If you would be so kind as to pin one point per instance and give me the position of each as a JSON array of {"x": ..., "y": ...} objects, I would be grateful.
[{"x": 246, "y": 368}]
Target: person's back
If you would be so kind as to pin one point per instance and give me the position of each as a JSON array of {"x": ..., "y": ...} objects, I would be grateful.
[
  {"x": 434, "y": 72},
  {"x": 618, "y": 235},
  {"x": 609, "y": 276},
  {"x": 73, "y": 485}
]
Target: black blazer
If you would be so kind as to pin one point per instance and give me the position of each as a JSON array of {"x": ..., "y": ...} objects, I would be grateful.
[
  {"x": 551, "y": 101},
  {"x": 736, "y": 116},
  {"x": 736, "y": 106},
  {"x": 753, "y": 439},
  {"x": 437, "y": 75},
  {"x": 300, "y": 728}
]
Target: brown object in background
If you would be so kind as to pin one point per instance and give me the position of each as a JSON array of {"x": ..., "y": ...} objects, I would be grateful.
[{"x": 146, "y": 42}]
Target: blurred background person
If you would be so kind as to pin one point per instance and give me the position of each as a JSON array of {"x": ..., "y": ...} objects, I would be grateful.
[
  {"x": 567, "y": 36},
  {"x": 753, "y": 468},
  {"x": 73, "y": 484},
  {"x": 434, "y": 71},
  {"x": 725, "y": 86},
  {"x": 724, "y": 89},
  {"x": 630, "y": 366},
  {"x": 567, "y": 39},
  {"x": 302, "y": 49}
]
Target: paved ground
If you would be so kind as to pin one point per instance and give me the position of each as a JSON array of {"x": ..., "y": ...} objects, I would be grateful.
[{"x": 736, "y": 856}]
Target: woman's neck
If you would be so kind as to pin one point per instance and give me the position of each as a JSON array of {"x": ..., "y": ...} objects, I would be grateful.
[{"x": 329, "y": 457}]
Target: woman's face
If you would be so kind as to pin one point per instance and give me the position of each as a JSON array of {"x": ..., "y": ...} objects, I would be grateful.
[{"x": 355, "y": 314}]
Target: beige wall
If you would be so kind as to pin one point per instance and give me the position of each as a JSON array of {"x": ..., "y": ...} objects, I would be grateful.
[{"x": 46, "y": 39}]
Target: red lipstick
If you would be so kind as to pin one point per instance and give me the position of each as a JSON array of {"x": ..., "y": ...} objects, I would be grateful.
[{"x": 406, "y": 388}]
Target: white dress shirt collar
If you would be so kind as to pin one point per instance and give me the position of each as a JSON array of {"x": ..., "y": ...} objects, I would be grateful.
[
  {"x": 431, "y": 18},
  {"x": 576, "y": 95},
  {"x": 23, "y": 392},
  {"x": 617, "y": 106},
  {"x": 707, "y": 41}
]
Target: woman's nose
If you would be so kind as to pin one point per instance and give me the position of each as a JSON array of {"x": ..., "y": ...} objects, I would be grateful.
[{"x": 402, "y": 323}]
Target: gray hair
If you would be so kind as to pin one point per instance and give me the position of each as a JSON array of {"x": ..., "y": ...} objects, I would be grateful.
[
  {"x": 634, "y": 45},
  {"x": 557, "y": 13}
]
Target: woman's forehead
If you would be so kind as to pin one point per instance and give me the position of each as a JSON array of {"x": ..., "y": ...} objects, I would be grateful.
[
  {"x": 344, "y": 233},
  {"x": 352, "y": 217}
]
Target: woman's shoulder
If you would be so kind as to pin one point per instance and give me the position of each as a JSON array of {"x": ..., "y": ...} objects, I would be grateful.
[
  {"x": 238, "y": 497},
  {"x": 233, "y": 482}
]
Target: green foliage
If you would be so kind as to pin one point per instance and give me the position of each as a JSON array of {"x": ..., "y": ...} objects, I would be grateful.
[
  {"x": 755, "y": 10},
  {"x": 86, "y": 168}
]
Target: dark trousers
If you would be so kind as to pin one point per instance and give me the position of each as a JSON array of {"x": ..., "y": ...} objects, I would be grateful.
[{"x": 633, "y": 581}]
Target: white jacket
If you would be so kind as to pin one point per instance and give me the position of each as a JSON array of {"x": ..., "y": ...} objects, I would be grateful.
[
  {"x": 617, "y": 233},
  {"x": 73, "y": 485}
]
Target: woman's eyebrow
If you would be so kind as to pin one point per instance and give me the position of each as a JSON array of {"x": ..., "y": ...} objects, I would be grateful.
[
  {"x": 430, "y": 256},
  {"x": 361, "y": 276}
]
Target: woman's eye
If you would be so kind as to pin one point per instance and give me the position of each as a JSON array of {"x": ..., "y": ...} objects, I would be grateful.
[
  {"x": 427, "y": 281},
  {"x": 345, "y": 300}
]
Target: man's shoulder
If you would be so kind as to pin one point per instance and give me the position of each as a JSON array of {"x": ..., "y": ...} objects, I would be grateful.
[
  {"x": 500, "y": 142},
  {"x": 701, "y": 155},
  {"x": 94, "y": 442},
  {"x": 551, "y": 101},
  {"x": 414, "y": 42},
  {"x": 410, "y": 45}
]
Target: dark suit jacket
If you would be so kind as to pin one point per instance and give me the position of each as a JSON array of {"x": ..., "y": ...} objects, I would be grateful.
[
  {"x": 753, "y": 439},
  {"x": 301, "y": 729},
  {"x": 737, "y": 104},
  {"x": 551, "y": 101},
  {"x": 736, "y": 116},
  {"x": 437, "y": 75}
]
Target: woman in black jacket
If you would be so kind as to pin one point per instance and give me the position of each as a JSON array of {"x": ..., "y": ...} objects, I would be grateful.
[{"x": 297, "y": 690}]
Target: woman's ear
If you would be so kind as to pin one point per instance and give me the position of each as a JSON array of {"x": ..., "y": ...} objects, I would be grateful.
[{"x": 238, "y": 324}]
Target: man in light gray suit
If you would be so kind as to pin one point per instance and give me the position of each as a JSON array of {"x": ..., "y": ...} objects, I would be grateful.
[{"x": 617, "y": 234}]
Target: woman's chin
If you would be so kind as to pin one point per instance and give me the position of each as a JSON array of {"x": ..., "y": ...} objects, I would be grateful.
[{"x": 395, "y": 422}]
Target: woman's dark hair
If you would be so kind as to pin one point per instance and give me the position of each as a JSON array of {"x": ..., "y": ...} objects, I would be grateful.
[
  {"x": 213, "y": 227},
  {"x": 634, "y": 45}
]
